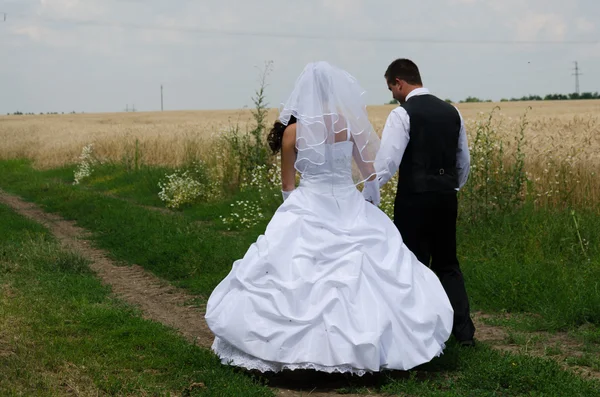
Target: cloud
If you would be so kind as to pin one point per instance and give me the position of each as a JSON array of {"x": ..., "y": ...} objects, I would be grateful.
[
  {"x": 549, "y": 20},
  {"x": 43, "y": 35},
  {"x": 541, "y": 27},
  {"x": 104, "y": 46},
  {"x": 343, "y": 9},
  {"x": 584, "y": 25},
  {"x": 463, "y": 1},
  {"x": 72, "y": 8},
  {"x": 34, "y": 33},
  {"x": 45, "y": 22},
  {"x": 59, "y": 4}
]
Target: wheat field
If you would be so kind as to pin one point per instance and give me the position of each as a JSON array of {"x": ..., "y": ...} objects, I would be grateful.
[{"x": 556, "y": 129}]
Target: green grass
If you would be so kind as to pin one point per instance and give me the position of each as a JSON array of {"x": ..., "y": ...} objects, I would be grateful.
[
  {"x": 77, "y": 326},
  {"x": 527, "y": 322},
  {"x": 459, "y": 372},
  {"x": 61, "y": 331},
  {"x": 139, "y": 185},
  {"x": 532, "y": 261},
  {"x": 485, "y": 372},
  {"x": 191, "y": 254},
  {"x": 526, "y": 260},
  {"x": 580, "y": 345}
]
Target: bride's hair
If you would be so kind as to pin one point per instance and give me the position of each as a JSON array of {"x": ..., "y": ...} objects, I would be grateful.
[{"x": 276, "y": 135}]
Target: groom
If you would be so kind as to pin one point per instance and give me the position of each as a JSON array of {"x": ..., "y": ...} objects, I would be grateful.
[{"x": 426, "y": 139}]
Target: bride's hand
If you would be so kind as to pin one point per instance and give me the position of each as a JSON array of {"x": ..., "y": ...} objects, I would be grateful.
[
  {"x": 286, "y": 194},
  {"x": 371, "y": 192}
]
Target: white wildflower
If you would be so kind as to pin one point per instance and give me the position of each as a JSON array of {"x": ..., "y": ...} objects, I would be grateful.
[{"x": 85, "y": 166}]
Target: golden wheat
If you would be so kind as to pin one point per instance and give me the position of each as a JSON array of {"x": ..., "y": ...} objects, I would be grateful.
[
  {"x": 167, "y": 138},
  {"x": 170, "y": 138},
  {"x": 562, "y": 139}
]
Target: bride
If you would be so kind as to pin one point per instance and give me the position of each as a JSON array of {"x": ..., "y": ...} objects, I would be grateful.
[{"x": 330, "y": 285}]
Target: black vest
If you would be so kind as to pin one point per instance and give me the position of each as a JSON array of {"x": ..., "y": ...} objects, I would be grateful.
[{"x": 429, "y": 161}]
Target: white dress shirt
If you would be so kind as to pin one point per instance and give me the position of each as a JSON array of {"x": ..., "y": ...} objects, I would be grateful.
[{"x": 396, "y": 135}]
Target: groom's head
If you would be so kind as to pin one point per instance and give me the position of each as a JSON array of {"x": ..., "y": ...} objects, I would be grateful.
[{"x": 402, "y": 76}]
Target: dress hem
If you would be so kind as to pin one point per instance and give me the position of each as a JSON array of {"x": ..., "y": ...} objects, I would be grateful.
[{"x": 232, "y": 356}]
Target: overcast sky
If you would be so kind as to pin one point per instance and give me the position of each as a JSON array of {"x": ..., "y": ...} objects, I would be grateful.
[{"x": 101, "y": 55}]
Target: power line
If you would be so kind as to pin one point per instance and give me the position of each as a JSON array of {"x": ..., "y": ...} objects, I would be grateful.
[
  {"x": 577, "y": 74},
  {"x": 248, "y": 33}
]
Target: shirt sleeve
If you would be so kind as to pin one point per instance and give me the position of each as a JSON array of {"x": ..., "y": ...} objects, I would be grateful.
[
  {"x": 394, "y": 139},
  {"x": 463, "y": 158}
]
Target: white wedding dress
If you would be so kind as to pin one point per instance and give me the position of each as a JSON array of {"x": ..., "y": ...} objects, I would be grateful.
[{"x": 330, "y": 286}]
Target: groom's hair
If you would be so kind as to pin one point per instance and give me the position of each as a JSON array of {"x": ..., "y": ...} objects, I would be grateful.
[{"x": 403, "y": 69}]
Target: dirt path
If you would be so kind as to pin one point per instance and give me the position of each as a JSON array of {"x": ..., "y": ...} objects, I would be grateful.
[
  {"x": 558, "y": 346},
  {"x": 160, "y": 301},
  {"x": 157, "y": 299}
]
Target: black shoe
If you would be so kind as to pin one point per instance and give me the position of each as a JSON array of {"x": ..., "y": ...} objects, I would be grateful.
[{"x": 467, "y": 343}]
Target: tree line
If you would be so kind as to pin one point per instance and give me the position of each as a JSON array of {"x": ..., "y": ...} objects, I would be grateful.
[
  {"x": 470, "y": 99},
  {"x": 17, "y": 113},
  {"x": 549, "y": 97}
]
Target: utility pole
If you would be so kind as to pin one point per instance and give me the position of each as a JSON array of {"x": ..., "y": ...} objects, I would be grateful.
[
  {"x": 161, "y": 98},
  {"x": 577, "y": 74}
]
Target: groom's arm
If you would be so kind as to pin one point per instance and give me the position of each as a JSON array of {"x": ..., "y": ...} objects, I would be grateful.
[
  {"x": 394, "y": 139},
  {"x": 463, "y": 158}
]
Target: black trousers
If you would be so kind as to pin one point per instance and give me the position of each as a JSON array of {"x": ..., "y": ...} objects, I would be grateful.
[{"x": 427, "y": 224}]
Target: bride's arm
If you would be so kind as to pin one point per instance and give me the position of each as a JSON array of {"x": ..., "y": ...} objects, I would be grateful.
[
  {"x": 366, "y": 169},
  {"x": 370, "y": 190},
  {"x": 288, "y": 159}
]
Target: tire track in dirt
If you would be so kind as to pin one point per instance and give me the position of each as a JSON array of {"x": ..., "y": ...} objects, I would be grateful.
[{"x": 537, "y": 344}]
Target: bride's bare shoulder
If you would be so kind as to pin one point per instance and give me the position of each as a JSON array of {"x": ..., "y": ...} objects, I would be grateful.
[{"x": 289, "y": 136}]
